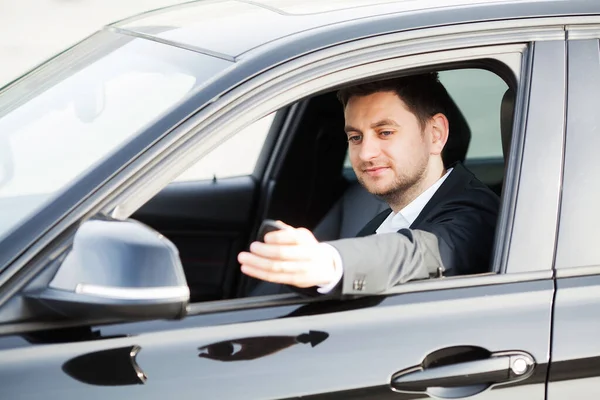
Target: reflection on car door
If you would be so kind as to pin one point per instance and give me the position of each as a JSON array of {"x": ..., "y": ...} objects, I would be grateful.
[{"x": 353, "y": 349}]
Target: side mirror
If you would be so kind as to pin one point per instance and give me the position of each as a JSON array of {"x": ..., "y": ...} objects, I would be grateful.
[{"x": 118, "y": 269}]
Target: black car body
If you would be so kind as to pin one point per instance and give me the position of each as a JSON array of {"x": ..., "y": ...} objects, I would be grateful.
[{"x": 161, "y": 90}]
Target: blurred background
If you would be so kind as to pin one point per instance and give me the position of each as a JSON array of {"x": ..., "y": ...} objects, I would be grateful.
[{"x": 31, "y": 31}]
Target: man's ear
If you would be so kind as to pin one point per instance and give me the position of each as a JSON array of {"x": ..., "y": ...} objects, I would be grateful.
[{"x": 440, "y": 128}]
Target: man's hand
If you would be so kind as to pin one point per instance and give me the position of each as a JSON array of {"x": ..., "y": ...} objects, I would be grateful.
[{"x": 290, "y": 256}]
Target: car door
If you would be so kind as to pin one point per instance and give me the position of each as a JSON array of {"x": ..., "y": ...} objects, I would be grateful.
[
  {"x": 575, "y": 347},
  {"x": 485, "y": 336}
]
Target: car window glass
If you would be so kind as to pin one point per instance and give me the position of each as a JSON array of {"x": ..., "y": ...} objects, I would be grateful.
[
  {"x": 70, "y": 114},
  {"x": 478, "y": 93},
  {"x": 235, "y": 157}
]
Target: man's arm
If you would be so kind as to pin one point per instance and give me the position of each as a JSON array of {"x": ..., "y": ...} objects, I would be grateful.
[
  {"x": 375, "y": 263},
  {"x": 458, "y": 237},
  {"x": 371, "y": 264}
]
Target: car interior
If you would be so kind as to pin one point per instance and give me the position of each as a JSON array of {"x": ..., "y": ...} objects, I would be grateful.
[{"x": 303, "y": 178}]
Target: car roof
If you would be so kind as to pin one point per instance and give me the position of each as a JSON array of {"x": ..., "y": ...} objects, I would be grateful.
[{"x": 230, "y": 28}]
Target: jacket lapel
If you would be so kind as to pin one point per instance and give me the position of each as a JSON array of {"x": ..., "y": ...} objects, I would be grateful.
[
  {"x": 455, "y": 182},
  {"x": 372, "y": 226}
]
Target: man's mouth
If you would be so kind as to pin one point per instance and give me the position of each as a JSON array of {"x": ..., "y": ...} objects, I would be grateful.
[{"x": 375, "y": 171}]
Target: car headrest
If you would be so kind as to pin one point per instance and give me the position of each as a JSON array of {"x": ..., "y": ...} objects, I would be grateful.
[{"x": 459, "y": 136}]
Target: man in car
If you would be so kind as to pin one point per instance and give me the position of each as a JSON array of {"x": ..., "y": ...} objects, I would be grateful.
[{"x": 442, "y": 220}]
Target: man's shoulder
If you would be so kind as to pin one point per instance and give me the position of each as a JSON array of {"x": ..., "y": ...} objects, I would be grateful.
[
  {"x": 461, "y": 192},
  {"x": 372, "y": 225},
  {"x": 462, "y": 182}
]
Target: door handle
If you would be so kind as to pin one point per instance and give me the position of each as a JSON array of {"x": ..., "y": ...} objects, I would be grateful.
[{"x": 465, "y": 378}]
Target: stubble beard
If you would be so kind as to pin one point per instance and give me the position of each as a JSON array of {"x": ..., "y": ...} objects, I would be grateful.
[{"x": 402, "y": 190}]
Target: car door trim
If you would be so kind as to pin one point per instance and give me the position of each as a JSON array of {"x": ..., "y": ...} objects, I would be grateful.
[
  {"x": 544, "y": 139},
  {"x": 587, "y": 270},
  {"x": 579, "y": 32},
  {"x": 577, "y": 235},
  {"x": 282, "y": 300}
]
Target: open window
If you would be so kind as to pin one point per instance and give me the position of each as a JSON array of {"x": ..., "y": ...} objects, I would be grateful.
[
  {"x": 316, "y": 186},
  {"x": 307, "y": 179},
  {"x": 299, "y": 175}
]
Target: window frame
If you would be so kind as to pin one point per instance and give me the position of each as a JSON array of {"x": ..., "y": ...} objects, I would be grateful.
[
  {"x": 574, "y": 258},
  {"x": 483, "y": 76},
  {"x": 501, "y": 273}
]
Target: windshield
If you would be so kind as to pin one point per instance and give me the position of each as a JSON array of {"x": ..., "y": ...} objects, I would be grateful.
[{"x": 70, "y": 114}]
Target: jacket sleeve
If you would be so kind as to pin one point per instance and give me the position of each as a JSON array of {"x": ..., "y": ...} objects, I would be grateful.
[{"x": 372, "y": 264}]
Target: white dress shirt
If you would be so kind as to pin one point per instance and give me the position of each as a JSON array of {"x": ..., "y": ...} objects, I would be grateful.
[{"x": 393, "y": 223}]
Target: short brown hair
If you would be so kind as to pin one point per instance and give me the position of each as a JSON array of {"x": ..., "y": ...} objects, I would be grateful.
[{"x": 423, "y": 94}]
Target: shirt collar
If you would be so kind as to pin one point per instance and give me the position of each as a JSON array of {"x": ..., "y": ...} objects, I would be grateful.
[
  {"x": 405, "y": 217},
  {"x": 414, "y": 208}
]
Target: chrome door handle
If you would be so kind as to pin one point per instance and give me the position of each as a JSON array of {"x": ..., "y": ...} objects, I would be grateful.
[{"x": 465, "y": 378}]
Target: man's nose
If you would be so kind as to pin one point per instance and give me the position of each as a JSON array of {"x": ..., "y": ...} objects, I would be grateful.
[{"x": 369, "y": 148}]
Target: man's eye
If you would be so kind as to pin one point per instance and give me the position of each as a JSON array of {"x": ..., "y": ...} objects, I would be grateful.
[
  {"x": 354, "y": 139},
  {"x": 386, "y": 133}
]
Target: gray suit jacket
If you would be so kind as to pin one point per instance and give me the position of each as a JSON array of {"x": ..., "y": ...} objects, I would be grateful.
[{"x": 454, "y": 233}]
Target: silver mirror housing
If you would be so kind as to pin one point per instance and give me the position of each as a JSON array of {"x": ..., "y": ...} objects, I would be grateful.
[{"x": 118, "y": 269}]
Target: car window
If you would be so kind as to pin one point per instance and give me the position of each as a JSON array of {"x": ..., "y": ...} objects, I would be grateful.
[
  {"x": 62, "y": 119},
  {"x": 478, "y": 93},
  {"x": 243, "y": 148}
]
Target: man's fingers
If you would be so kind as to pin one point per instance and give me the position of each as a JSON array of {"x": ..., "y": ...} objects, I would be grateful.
[
  {"x": 290, "y": 236},
  {"x": 290, "y": 256},
  {"x": 281, "y": 252},
  {"x": 283, "y": 278},
  {"x": 282, "y": 236},
  {"x": 270, "y": 265}
]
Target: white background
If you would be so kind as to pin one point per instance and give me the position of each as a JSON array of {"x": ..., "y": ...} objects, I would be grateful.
[{"x": 31, "y": 31}]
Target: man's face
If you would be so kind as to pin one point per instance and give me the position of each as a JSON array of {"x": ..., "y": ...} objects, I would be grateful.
[{"x": 388, "y": 149}]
